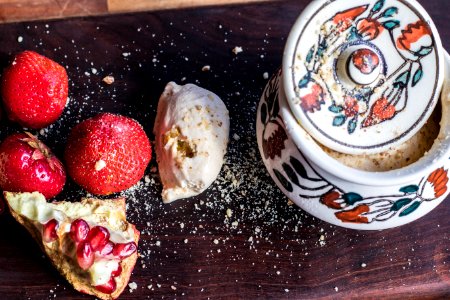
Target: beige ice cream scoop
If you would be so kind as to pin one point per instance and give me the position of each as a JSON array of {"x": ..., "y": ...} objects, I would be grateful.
[{"x": 191, "y": 129}]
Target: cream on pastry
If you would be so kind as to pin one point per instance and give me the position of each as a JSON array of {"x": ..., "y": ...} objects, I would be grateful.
[{"x": 191, "y": 129}]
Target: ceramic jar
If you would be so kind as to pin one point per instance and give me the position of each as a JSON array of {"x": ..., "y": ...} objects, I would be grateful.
[{"x": 341, "y": 100}]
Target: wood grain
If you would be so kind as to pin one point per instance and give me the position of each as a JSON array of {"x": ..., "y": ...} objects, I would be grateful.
[
  {"x": 26, "y": 10},
  {"x": 140, "y": 5},
  {"x": 21, "y": 10},
  {"x": 273, "y": 249}
]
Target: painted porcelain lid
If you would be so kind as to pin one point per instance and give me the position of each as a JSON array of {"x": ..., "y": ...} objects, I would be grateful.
[{"x": 363, "y": 76}]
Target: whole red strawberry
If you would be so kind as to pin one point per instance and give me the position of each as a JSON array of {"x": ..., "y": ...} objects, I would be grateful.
[
  {"x": 27, "y": 165},
  {"x": 107, "y": 153},
  {"x": 34, "y": 90}
]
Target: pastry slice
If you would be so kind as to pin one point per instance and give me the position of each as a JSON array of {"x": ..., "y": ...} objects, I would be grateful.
[{"x": 89, "y": 242}]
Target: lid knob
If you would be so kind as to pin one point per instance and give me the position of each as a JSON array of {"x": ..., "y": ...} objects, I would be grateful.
[{"x": 363, "y": 66}]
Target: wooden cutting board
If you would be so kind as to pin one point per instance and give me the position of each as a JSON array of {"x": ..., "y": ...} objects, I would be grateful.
[{"x": 23, "y": 10}]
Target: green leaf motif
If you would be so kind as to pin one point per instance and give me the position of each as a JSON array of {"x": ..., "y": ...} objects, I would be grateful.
[
  {"x": 410, "y": 209},
  {"x": 304, "y": 81},
  {"x": 284, "y": 182},
  {"x": 424, "y": 51},
  {"x": 264, "y": 113},
  {"x": 417, "y": 76},
  {"x": 391, "y": 24},
  {"x": 310, "y": 55},
  {"x": 352, "y": 125},
  {"x": 322, "y": 47},
  {"x": 351, "y": 198},
  {"x": 276, "y": 107},
  {"x": 402, "y": 79},
  {"x": 298, "y": 167},
  {"x": 336, "y": 108},
  {"x": 409, "y": 189},
  {"x": 290, "y": 173},
  {"x": 389, "y": 12},
  {"x": 339, "y": 120},
  {"x": 354, "y": 35},
  {"x": 400, "y": 203},
  {"x": 378, "y": 6}
]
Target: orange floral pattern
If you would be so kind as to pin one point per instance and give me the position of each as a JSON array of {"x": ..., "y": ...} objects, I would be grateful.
[
  {"x": 438, "y": 180},
  {"x": 354, "y": 215},
  {"x": 380, "y": 111},
  {"x": 413, "y": 33},
  {"x": 344, "y": 19},
  {"x": 351, "y": 107},
  {"x": 329, "y": 199},
  {"x": 369, "y": 28},
  {"x": 312, "y": 101}
]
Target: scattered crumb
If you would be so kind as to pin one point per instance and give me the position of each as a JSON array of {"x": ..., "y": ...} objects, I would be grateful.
[
  {"x": 363, "y": 265},
  {"x": 266, "y": 75},
  {"x": 215, "y": 241},
  {"x": 132, "y": 286},
  {"x": 173, "y": 287},
  {"x": 108, "y": 79},
  {"x": 236, "y": 50},
  {"x": 229, "y": 212},
  {"x": 236, "y": 137},
  {"x": 20, "y": 39},
  {"x": 206, "y": 68},
  {"x": 336, "y": 288}
]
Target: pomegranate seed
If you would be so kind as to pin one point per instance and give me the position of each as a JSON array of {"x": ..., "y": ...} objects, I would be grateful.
[
  {"x": 79, "y": 230},
  {"x": 49, "y": 231},
  {"x": 124, "y": 250},
  {"x": 106, "y": 249},
  {"x": 108, "y": 287},
  {"x": 117, "y": 272},
  {"x": 98, "y": 237},
  {"x": 85, "y": 255}
]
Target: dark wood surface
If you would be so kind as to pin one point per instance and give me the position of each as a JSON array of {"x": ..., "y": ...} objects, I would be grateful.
[{"x": 191, "y": 249}]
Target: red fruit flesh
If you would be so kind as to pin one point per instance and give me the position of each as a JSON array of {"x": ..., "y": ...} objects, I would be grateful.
[
  {"x": 85, "y": 255},
  {"x": 34, "y": 89},
  {"x": 108, "y": 287},
  {"x": 124, "y": 250},
  {"x": 106, "y": 249},
  {"x": 27, "y": 165},
  {"x": 107, "y": 153},
  {"x": 117, "y": 272},
  {"x": 98, "y": 237},
  {"x": 79, "y": 230},
  {"x": 49, "y": 231}
]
